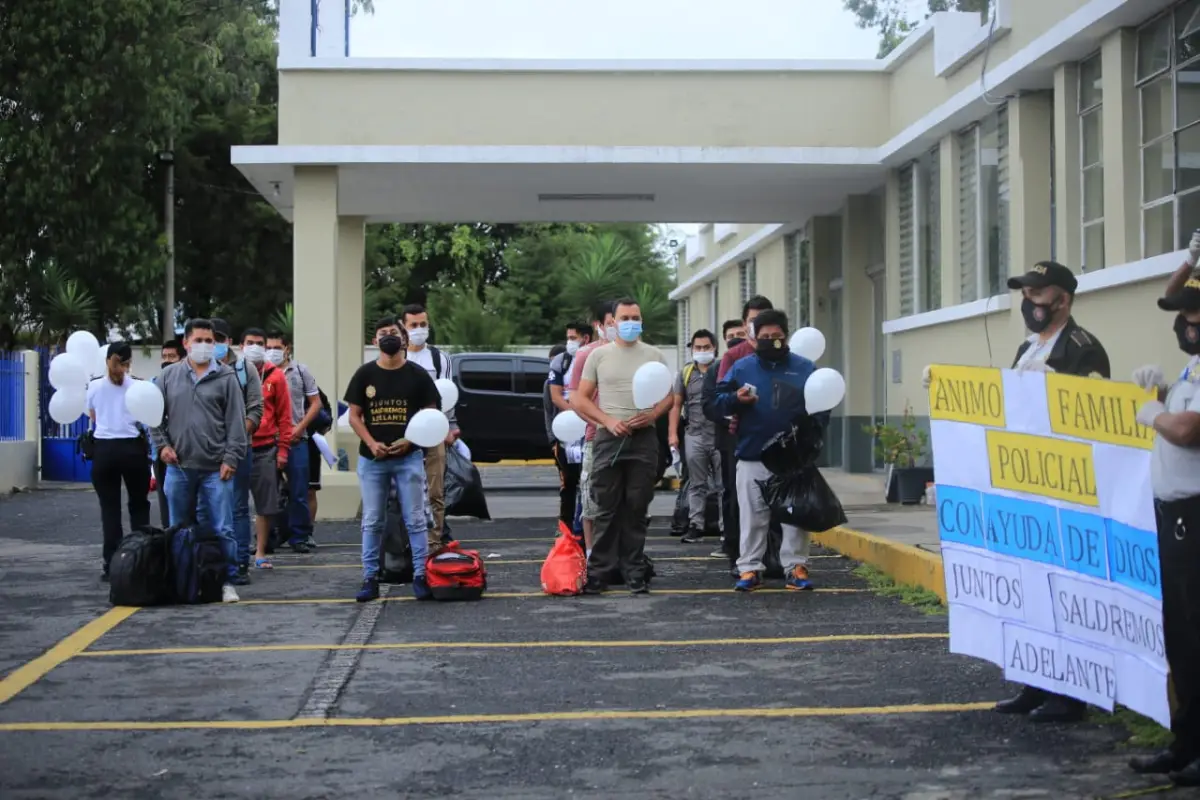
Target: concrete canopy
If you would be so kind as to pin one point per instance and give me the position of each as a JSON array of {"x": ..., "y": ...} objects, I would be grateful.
[{"x": 564, "y": 184}]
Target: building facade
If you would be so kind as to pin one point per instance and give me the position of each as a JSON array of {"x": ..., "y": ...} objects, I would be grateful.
[{"x": 1063, "y": 129}]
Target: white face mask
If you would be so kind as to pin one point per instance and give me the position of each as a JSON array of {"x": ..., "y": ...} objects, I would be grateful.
[
  {"x": 572, "y": 347},
  {"x": 275, "y": 356},
  {"x": 201, "y": 352},
  {"x": 610, "y": 333},
  {"x": 704, "y": 357},
  {"x": 418, "y": 336},
  {"x": 254, "y": 353},
  {"x": 750, "y": 331}
]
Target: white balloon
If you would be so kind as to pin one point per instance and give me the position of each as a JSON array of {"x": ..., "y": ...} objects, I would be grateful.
[
  {"x": 823, "y": 390},
  {"x": 68, "y": 405},
  {"x": 344, "y": 421},
  {"x": 67, "y": 372},
  {"x": 808, "y": 342},
  {"x": 83, "y": 345},
  {"x": 568, "y": 427},
  {"x": 449, "y": 393},
  {"x": 144, "y": 402},
  {"x": 427, "y": 428},
  {"x": 651, "y": 383}
]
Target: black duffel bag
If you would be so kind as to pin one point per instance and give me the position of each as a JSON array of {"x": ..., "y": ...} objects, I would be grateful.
[{"x": 139, "y": 573}]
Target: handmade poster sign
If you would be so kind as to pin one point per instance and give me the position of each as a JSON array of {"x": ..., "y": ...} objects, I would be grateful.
[{"x": 1046, "y": 519}]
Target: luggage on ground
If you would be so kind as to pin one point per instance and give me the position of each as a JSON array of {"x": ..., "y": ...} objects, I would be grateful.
[
  {"x": 197, "y": 564},
  {"x": 565, "y": 570},
  {"x": 796, "y": 492},
  {"x": 463, "y": 488},
  {"x": 456, "y": 574},
  {"x": 139, "y": 573},
  {"x": 397, "y": 560}
]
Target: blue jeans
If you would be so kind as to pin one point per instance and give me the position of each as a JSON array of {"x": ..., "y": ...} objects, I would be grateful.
[
  {"x": 241, "y": 509},
  {"x": 298, "y": 519},
  {"x": 201, "y": 496},
  {"x": 407, "y": 474}
]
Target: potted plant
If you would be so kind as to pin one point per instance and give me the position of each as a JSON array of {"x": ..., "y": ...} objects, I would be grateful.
[{"x": 902, "y": 447}]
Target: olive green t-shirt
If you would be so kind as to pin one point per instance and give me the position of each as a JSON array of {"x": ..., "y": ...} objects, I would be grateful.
[{"x": 612, "y": 367}]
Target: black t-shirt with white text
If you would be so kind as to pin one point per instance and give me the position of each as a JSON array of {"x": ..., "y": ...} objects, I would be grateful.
[{"x": 389, "y": 398}]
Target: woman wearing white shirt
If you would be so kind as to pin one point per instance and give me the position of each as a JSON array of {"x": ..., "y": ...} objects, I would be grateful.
[{"x": 120, "y": 452}]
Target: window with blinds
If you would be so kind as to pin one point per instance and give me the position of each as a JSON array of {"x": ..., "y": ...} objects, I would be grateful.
[
  {"x": 968, "y": 214},
  {"x": 998, "y": 257},
  {"x": 930, "y": 281},
  {"x": 803, "y": 318},
  {"x": 748, "y": 279},
  {"x": 983, "y": 218},
  {"x": 685, "y": 319},
  {"x": 791, "y": 276},
  {"x": 907, "y": 231},
  {"x": 714, "y": 305}
]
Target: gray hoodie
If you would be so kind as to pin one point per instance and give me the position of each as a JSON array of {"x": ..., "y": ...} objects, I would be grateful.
[{"x": 204, "y": 420}]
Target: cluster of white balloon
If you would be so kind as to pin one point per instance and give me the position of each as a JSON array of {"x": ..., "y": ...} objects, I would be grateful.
[
  {"x": 826, "y": 387},
  {"x": 429, "y": 426},
  {"x": 85, "y": 359}
]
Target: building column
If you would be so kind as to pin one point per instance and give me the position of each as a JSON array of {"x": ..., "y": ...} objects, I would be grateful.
[
  {"x": 1120, "y": 120},
  {"x": 351, "y": 332},
  {"x": 1030, "y": 128},
  {"x": 948, "y": 153},
  {"x": 826, "y": 265},
  {"x": 860, "y": 220},
  {"x": 1068, "y": 208}
]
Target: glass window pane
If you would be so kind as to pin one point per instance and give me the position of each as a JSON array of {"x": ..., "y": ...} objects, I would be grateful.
[
  {"x": 1189, "y": 219},
  {"x": 1093, "y": 142},
  {"x": 1093, "y": 246},
  {"x": 1154, "y": 47},
  {"x": 1187, "y": 157},
  {"x": 486, "y": 376},
  {"x": 1187, "y": 31},
  {"x": 1158, "y": 230},
  {"x": 533, "y": 376},
  {"x": 1157, "y": 117},
  {"x": 1158, "y": 170},
  {"x": 1091, "y": 92},
  {"x": 1093, "y": 194},
  {"x": 1187, "y": 94}
]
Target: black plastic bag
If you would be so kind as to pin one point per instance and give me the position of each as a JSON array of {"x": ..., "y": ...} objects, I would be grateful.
[
  {"x": 463, "y": 495},
  {"x": 397, "y": 560},
  {"x": 803, "y": 498}
]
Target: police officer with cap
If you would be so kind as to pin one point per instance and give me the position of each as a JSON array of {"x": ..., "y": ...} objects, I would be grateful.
[{"x": 1175, "y": 480}]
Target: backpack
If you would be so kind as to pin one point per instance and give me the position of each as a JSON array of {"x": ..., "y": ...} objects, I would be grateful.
[
  {"x": 239, "y": 369},
  {"x": 323, "y": 422},
  {"x": 198, "y": 565},
  {"x": 438, "y": 360},
  {"x": 397, "y": 566},
  {"x": 456, "y": 574},
  {"x": 140, "y": 571}
]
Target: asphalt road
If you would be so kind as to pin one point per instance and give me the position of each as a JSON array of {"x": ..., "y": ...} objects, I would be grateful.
[{"x": 690, "y": 692}]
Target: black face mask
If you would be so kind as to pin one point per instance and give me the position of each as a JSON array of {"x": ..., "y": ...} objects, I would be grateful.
[
  {"x": 771, "y": 349},
  {"x": 166, "y": 364},
  {"x": 732, "y": 343},
  {"x": 1188, "y": 336},
  {"x": 1038, "y": 316},
  {"x": 390, "y": 345}
]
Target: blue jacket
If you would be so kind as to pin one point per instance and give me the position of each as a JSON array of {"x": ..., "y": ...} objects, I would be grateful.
[{"x": 780, "y": 388}]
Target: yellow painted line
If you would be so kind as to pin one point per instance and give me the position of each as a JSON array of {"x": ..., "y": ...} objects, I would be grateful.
[
  {"x": 651, "y": 541},
  {"x": 26, "y": 675},
  {"x": 516, "y": 462},
  {"x": 502, "y": 561},
  {"x": 270, "y": 648},
  {"x": 496, "y": 719},
  {"x": 617, "y": 592}
]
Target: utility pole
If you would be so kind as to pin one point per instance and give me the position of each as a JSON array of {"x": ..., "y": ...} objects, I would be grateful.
[{"x": 168, "y": 320}]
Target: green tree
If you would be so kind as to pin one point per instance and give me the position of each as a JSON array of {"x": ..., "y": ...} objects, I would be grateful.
[{"x": 894, "y": 18}]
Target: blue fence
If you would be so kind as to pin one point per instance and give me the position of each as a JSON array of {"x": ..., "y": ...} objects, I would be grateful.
[
  {"x": 12, "y": 397},
  {"x": 61, "y": 460}
]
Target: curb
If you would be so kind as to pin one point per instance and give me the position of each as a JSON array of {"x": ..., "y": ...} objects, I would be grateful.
[{"x": 903, "y": 563}]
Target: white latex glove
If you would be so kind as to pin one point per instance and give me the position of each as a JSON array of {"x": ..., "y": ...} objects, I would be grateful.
[
  {"x": 926, "y": 376},
  {"x": 1035, "y": 366},
  {"x": 1149, "y": 377},
  {"x": 1149, "y": 412},
  {"x": 1194, "y": 249}
]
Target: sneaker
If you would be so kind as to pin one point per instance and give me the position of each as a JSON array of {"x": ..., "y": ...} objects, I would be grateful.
[
  {"x": 369, "y": 591},
  {"x": 638, "y": 586},
  {"x": 421, "y": 588},
  {"x": 594, "y": 586},
  {"x": 717, "y": 554},
  {"x": 299, "y": 547},
  {"x": 244, "y": 568},
  {"x": 693, "y": 536},
  {"x": 748, "y": 582},
  {"x": 229, "y": 594},
  {"x": 798, "y": 581},
  {"x": 239, "y": 579},
  {"x": 310, "y": 543}
]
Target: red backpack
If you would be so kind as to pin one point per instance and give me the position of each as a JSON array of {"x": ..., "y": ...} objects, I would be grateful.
[{"x": 456, "y": 574}]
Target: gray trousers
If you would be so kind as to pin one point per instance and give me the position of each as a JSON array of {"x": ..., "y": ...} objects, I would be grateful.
[
  {"x": 704, "y": 476},
  {"x": 622, "y": 486},
  {"x": 755, "y": 519}
]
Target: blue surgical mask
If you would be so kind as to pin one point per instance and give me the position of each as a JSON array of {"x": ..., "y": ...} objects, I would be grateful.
[
  {"x": 629, "y": 330},
  {"x": 220, "y": 350}
]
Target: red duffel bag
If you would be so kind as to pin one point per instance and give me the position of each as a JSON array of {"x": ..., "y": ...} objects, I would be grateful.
[{"x": 456, "y": 574}]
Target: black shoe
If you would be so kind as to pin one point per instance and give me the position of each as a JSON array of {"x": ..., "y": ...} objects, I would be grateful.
[
  {"x": 300, "y": 547},
  {"x": 1188, "y": 776},
  {"x": 310, "y": 543},
  {"x": 240, "y": 579},
  {"x": 693, "y": 536},
  {"x": 638, "y": 586},
  {"x": 1159, "y": 763},
  {"x": 368, "y": 592},
  {"x": 243, "y": 570},
  {"x": 1025, "y": 701},
  {"x": 594, "y": 587},
  {"x": 1059, "y": 709}
]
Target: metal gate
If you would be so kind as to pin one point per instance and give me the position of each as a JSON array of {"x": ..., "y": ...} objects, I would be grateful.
[{"x": 61, "y": 460}]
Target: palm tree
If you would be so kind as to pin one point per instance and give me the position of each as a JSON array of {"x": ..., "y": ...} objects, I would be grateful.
[
  {"x": 283, "y": 321},
  {"x": 602, "y": 269},
  {"x": 66, "y": 306}
]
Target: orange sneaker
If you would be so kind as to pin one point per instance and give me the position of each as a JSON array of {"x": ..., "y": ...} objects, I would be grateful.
[{"x": 798, "y": 581}]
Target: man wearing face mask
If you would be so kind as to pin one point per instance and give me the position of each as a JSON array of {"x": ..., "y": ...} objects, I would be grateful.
[
  {"x": 172, "y": 353},
  {"x": 269, "y": 441},
  {"x": 699, "y": 441},
  {"x": 120, "y": 451},
  {"x": 604, "y": 327},
  {"x": 624, "y": 452},
  {"x": 251, "y": 383},
  {"x": 1175, "y": 482},
  {"x": 306, "y": 405},
  {"x": 567, "y": 457},
  {"x": 203, "y": 439}
]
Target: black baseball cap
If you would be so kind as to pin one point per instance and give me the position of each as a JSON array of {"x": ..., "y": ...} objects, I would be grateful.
[
  {"x": 1043, "y": 274},
  {"x": 1186, "y": 299},
  {"x": 222, "y": 327}
]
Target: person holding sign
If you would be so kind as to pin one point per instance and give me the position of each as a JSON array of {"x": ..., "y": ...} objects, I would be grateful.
[
  {"x": 384, "y": 395},
  {"x": 1175, "y": 480}
]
